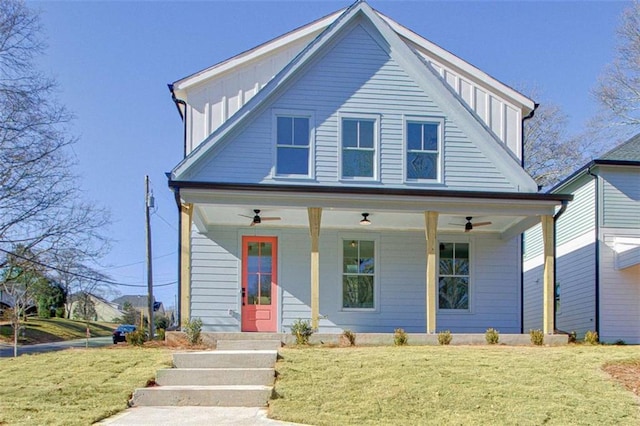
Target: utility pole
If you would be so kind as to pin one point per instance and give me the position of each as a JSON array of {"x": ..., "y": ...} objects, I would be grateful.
[{"x": 148, "y": 205}]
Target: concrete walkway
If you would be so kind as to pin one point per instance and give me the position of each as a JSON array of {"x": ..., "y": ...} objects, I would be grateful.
[{"x": 193, "y": 416}]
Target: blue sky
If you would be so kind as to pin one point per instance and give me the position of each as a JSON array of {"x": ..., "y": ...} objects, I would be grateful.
[{"x": 113, "y": 61}]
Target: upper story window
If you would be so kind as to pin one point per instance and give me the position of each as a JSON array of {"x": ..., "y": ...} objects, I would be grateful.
[
  {"x": 423, "y": 145},
  {"x": 454, "y": 276},
  {"x": 359, "y": 142},
  {"x": 292, "y": 146}
]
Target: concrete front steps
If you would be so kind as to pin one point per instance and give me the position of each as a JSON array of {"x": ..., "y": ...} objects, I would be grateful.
[{"x": 237, "y": 374}]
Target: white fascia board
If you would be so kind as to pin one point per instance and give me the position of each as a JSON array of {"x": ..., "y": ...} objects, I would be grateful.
[
  {"x": 256, "y": 102},
  {"x": 464, "y": 117},
  {"x": 448, "y": 58},
  {"x": 396, "y": 203},
  {"x": 257, "y": 52}
]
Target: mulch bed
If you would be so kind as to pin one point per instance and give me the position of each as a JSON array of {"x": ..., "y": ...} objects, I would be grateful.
[{"x": 626, "y": 373}]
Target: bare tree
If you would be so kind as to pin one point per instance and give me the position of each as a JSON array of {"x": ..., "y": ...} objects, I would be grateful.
[
  {"x": 618, "y": 89},
  {"x": 550, "y": 153},
  {"x": 42, "y": 212}
]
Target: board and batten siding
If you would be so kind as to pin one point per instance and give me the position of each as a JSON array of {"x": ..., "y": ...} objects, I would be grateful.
[
  {"x": 619, "y": 292},
  {"x": 400, "y": 273},
  {"x": 620, "y": 197},
  {"x": 575, "y": 264},
  {"x": 211, "y": 103},
  {"x": 379, "y": 86}
]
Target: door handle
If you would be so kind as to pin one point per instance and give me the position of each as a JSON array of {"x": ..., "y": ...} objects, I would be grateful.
[{"x": 244, "y": 293}]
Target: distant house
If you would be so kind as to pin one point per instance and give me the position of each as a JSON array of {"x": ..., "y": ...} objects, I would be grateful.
[
  {"x": 105, "y": 311},
  {"x": 598, "y": 251},
  {"x": 140, "y": 304},
  {"x": 354, "y": 174}
]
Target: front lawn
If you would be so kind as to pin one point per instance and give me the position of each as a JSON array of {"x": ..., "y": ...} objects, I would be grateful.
[
  {"x": 76, "y": 386},
  {"x": 41, "y": 330},
  {"x": 453, "y": 385}
]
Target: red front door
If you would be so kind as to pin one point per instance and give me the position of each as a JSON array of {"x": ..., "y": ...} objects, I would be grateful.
[{"x": 259, "y": 283}]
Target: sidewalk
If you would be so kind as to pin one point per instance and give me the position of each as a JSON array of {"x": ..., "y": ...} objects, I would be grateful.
[{"x": 192, "y": 416}]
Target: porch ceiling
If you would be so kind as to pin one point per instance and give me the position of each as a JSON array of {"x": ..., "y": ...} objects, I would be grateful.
[
  {"x": 395, "y": 211},
  {"x": 209, "y": 215}
]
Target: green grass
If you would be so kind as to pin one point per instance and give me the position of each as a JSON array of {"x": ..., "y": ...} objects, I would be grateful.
[
  {"x": 40, "y": 330},
  {"x": 74, "y": 387},
  {"x": 453, "y": 385}
]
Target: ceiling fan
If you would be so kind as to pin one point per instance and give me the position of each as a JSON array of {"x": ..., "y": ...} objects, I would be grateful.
[
  {"x": 469, "y": 226},
  {"x": 256, "y": 219}
]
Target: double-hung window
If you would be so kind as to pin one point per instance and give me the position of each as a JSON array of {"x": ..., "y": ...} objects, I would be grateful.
[
  {"x": 358, "y": 274},
  {"x": 358, "y": 147},
  {"x": 292, "y": 146},
  {"x": 423, "y": 146},
  {"x": 454, "y": 276}
]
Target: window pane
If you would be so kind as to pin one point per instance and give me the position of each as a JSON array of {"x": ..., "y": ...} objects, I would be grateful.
[
  {"x": 462, "y": 259},
  {"x": 366, "y": 134},
  {"x": 414, "y": 136},
  {"x": 357, "y": 292},
  {"x": 265, "y": 289},
  {"x": 292, "y": 161},
  {"x": 285, "y": 136},
  {"x": 252, "y": 289},
  {"x": 349, "y": 133},
  {"x": 350, "y": 257},
  {"x": 301, "y": 131},
  {"x": 430, "y": 137},
  {"x": 253, "y": 259},
  {"x": 356, "y": 163},
  {"x": 422, "y": 165},
  {"x": 265, "y": 257},
  {"x": 366, "y": 257},
  {"x": 453, "y": 293},
  {"x": 446, "y": 259}
]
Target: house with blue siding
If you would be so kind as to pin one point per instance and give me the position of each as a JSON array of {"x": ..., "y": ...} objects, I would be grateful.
[
  {"x": 597, "y": 251},
  {"x": 354, "y": 174}
]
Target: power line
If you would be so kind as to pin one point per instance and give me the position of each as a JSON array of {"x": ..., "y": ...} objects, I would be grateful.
[{"x": 86, "y": 277}]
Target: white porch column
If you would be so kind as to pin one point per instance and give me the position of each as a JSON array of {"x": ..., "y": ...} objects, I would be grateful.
[
  {"x": 548, "y": 303},
  {"x": 315, "y": 215},
  {"x": 186, "y": 216},
  {"x": 431, "y": 232}
]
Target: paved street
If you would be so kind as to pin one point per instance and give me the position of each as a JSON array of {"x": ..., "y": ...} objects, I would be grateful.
[{"x": 94, "y": 342}]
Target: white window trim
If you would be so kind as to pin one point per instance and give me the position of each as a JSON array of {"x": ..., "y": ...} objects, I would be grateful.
[
  {"x": 274, "y": 137},
  {"x": 376, "y": 145},
  {"x": 458, "y": 240},
  {"x": 440, "y": 121},
  {"x": 376, "y": 274}
]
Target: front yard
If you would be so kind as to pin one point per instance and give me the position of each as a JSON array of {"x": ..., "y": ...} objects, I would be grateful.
[{"x": 453, "y": 385}]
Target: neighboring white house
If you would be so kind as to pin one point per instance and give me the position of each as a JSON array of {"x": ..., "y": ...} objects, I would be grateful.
[
  {"x": 105, "y": 311},
  {"x": 598, "y": 251},
  {"x": 353, "y": 173}
]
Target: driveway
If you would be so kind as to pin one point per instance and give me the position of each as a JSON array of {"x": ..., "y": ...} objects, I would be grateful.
[{"x": 6, "y": 350}]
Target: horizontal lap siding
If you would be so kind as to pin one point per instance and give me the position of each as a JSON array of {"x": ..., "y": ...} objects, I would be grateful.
[
  {"x": 495, "y": 290},
  {"x": 400, "y": 271},
  {"x": 621, "y": 198},
  {"x": 619, "y": 293},
  {"x": 214, "y": 279},
  {"x": 575, "y": 268},
  {"x": 356, "y": 75}
]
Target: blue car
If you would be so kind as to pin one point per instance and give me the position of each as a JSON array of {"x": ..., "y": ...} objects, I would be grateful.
[{"x": 120, "y": 333}]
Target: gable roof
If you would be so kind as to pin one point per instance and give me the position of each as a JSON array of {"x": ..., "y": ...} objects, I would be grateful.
[
  {"x": 414, "y": 64},
  {"x": 626, "y": 151},
  {"x": 625, "y": 154}
]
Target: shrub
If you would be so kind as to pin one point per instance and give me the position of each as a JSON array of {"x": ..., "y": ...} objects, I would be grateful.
[
  {"x": 492, "y": 335},
  {"x": 444, "y": 337},
  {"x": 160, "y": 334},
  {"x": 591, "y": 337},
  {"x": 349, "y": 337},
  {"x": 400, "y": 337},
  {"x": 302, "y": 330},
  {"x": 573, "y": 337},
  {"x": 620, "y": 342},
  {"x": 192, "y": 329},
  {"x": 537, "y": 337},
  {"x": 136, "y": 338}
]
